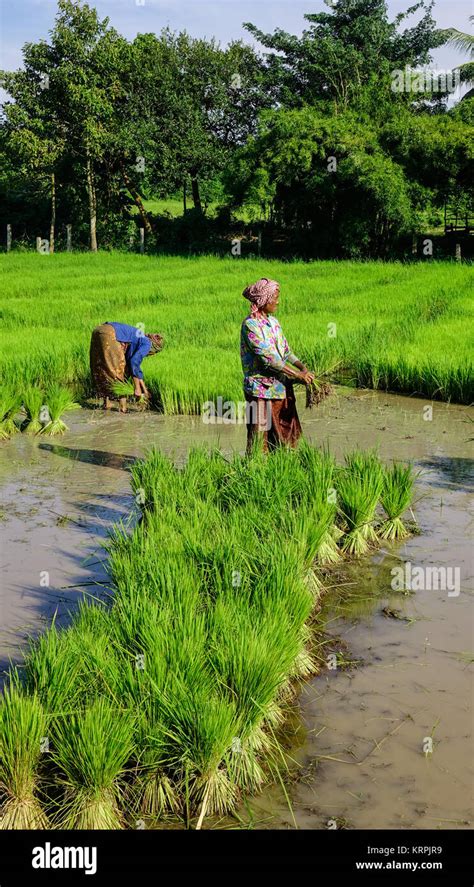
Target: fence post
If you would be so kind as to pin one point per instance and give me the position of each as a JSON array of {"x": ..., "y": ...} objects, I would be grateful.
[
  {"x": 260, "y": 242},
  {"x": 458, "y": 252},
  {"x": 142, "y": 240},
  {"x": 69, "y": 238},
  {"x": 414, "y": 245},
  {"x": 9, "y": 238},
  {"x": 38, "y": 244}
]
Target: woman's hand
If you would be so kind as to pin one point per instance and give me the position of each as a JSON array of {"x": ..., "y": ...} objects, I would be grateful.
[{"x": 306, "y": 376}]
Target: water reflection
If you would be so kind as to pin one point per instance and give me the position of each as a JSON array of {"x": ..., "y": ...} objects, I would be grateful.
[{"x": 93, "y": 457}]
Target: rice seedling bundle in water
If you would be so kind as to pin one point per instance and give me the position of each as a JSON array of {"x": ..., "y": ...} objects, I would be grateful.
[
  {"x": 23, "y": 727},
  {"x": 91, "y": 748},
  {"x": 10, "y": 404},
  {"x": 396, "y": 496},
  {"x": 167, "y": 701},
  {"x": 33, "y": 402},
  {"x": 359, "y": 487},
  {"x": 59, "y": 401}
]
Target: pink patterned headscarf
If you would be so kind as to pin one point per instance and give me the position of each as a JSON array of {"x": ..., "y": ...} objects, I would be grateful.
[{"x": 260, "y": 293}]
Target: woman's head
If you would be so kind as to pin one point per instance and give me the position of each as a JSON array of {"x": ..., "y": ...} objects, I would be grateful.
[
  {"x": 156, "y": 342},
  {"x": 263, "y": 295}
]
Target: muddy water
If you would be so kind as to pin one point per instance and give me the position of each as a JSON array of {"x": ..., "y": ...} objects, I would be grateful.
[{"x": 365, "y": 725}]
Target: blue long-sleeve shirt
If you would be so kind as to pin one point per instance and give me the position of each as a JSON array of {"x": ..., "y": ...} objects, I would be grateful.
[{"x": 138, "y": 346}]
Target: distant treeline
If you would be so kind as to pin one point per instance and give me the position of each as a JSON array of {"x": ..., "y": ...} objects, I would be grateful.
[{"x": 330, "y": 143}]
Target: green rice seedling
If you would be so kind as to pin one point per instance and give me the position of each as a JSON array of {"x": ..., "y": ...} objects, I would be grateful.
[
  {"x": 33, "y": 400},
  {"x": 366, "y": 466},
  {"x": 359, "y": 487},
  {"x": 59, "y": 401},
  {"x": 23, "y": 727},
  {"x": 51, "y": 670},
  {"x": 409, "y": 350},
  {"x": 396, "y": 495},
  {"x": 123, "y": 389},
  {"x": 91, "y": 749},
  {"x": 154, "y": 793},
  {"x": 10, "y": 404}
]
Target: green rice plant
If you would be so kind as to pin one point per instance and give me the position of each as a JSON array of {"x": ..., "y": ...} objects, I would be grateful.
[
  {"x": 59, "y": 401},
  {"x": 51, "y": 670},
  {"x": 367, "y": 467},
  {"x": 395, "y": 498},
  {"x": 358, "y": 488},
  {"x": 33, "y": 400},
  {"x": 419, "y": 345},
  {"x": 205, "y": 638},
  {"x": 123, "y": 389},
  {"x": 91, "y": 749},
  {"x": 10, "y": 404},
  {"x": 23, "y": 727},
  {"x": 126, "y": 389}
]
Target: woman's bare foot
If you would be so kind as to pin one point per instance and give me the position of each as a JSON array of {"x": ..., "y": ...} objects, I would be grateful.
[
  {"x": 122, "y": 405},
  {"x": 107, "y": 403}
]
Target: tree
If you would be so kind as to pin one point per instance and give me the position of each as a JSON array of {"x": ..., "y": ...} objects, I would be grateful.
[{"x": 344, "y": 59}]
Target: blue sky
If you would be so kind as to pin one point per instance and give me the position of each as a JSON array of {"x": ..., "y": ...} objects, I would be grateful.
[{"x": 30, "y": 20}]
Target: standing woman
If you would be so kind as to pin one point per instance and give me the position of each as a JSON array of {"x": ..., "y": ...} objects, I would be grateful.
[
  {"x": 116, "y": 353},
  {"x": 269, "y": 371}
]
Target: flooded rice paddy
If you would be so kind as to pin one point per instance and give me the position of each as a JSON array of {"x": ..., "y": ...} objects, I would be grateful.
[{"x": 403, "y": 661}]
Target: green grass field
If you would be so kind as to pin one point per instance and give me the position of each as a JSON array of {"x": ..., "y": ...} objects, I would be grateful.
[{"x": 399, "y": 327}]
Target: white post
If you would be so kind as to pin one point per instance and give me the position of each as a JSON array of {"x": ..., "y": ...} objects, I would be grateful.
[
  {"x": 142, "y": 240},
  {"x": 9, "y": 238},
  {"x": 69, "y": 238},
  {"x": 458, "y": 252},
  {"x": 38, "y": 244}
]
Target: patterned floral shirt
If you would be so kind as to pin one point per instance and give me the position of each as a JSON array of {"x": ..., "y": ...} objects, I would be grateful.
[{"x": 264, "y": 352}]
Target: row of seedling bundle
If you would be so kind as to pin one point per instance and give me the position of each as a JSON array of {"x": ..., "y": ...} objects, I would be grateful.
[
  {"x": 34, "y": 411},
  {"x": 167, "y": 700}
]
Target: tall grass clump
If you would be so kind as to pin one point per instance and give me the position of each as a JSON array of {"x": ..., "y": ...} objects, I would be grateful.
[
  {"x": 59, "y": 401},
  {"x": 395, "y": 498},
  {"x": 23, "y": 726}
]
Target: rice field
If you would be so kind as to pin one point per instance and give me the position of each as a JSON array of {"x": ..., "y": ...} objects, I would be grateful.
[
  {"x": 391, "y": 326},
  {"x": 166, "y": 701}
]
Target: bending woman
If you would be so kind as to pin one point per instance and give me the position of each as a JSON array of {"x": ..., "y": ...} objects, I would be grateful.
[
  {"x": 116, "y": 352},
  {"x": 270, "y": 369}
]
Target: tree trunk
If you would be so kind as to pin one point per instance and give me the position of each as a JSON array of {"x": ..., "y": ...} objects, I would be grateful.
[
  {"x": 53, "y": 213},
  {"x": 184, "y": 199},
  {"x": 196, "y": 194},
  {"x": 138, "y": 202},
  {"x": 92, "y": 204}
]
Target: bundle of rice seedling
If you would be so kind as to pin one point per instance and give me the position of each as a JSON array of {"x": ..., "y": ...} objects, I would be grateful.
[
  {"x": 91, "y": 749},
  {"x": 123, "y": 389},
  {"x": 59, "y": 401},
  {"x": 33, "y": 400},
  {"x": 10, "y": 404},
  {"x": 317, "y": 391},
  {"x": 359, "y": 487},
  {"x": 395, "y": 498},
  {"x": 22, "y": 727},
  {"x": 126, "y": 389}
]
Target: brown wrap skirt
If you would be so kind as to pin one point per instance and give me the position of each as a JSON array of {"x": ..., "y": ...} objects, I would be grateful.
[
  {"x": 272, "y": 423},
  {"x": 107, "y": 359}
]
